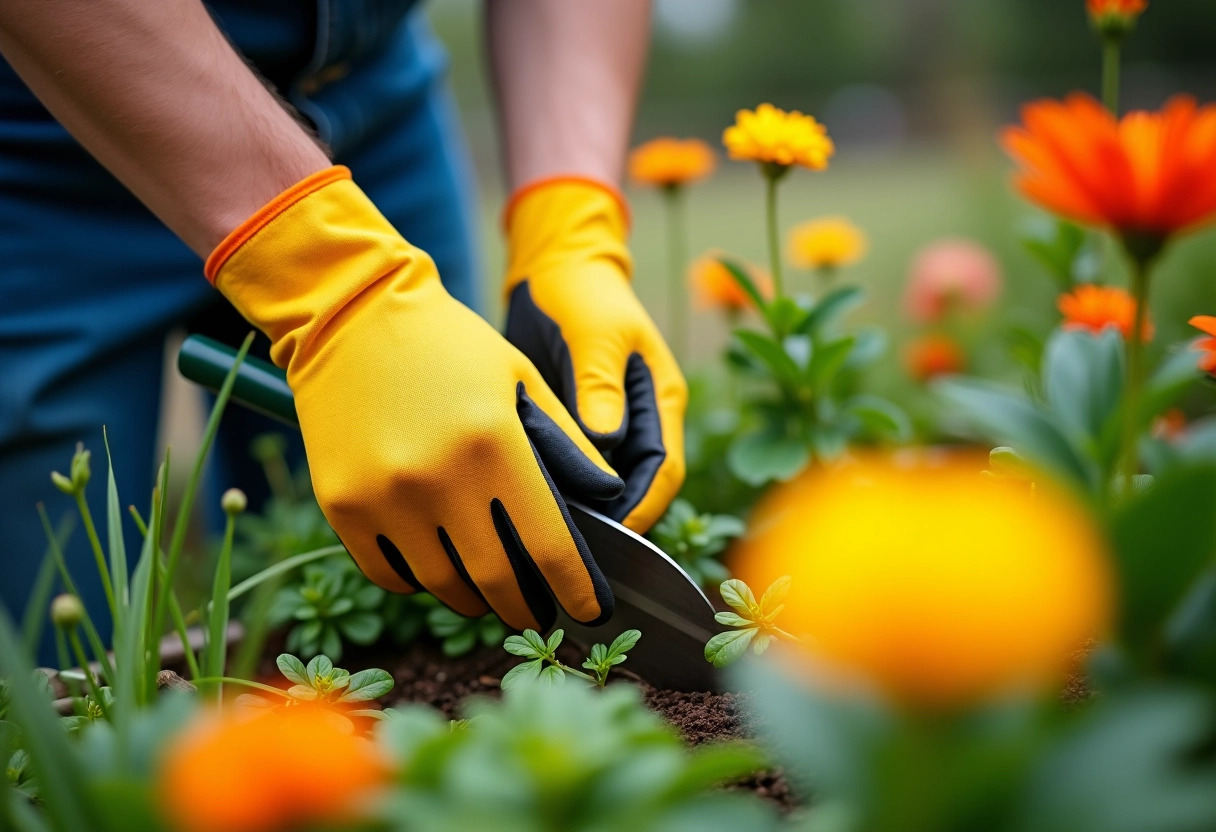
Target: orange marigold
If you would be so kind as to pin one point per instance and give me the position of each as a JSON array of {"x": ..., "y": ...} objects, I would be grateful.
[
  {"x": 934, "y": 355},
  {"x": 1207, "y": 325},
  {"x": 770, "y": 135},
  {"x": 1147, "y": 176},
  {"x": 667, "y": 162},
  {"x": 715, "y": 287},
  {"x": 826, "y": 243},
  {"x": 1096, "y": 307},
  {"x": 272, "y": 771},
  {"x": 1099, "y": 7},
  {"x": 1115, "y": 18}
]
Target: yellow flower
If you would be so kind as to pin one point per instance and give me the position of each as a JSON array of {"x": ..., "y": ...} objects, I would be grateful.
[
  {"x": 667, "y": 162},
  {"x": 966, "y": 588},
  {"x": 772, "y": 136},
  {"x": 826, "y": 243}
]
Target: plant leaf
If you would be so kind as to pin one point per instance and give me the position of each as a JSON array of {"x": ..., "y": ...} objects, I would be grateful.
[
  {"x": 520, "y": 646},
  {"x": 319, "y": 666},
  {"x": 293, "y": 669},
  {"x": 521, "y": 672},
  {"x": 732, "y": 619},
  {"x": 552, "y": 675},
  {"x": 726, "y": 648},
  {"x": 555, "y": 639},
  {"x": 775, "y": 593},
  {"x": 830, "y": 306},
  {"x": 624, "y": 643},
  {"x": 757, "y": 458},
  {"x": 367, "y": 684},
  {"x": 739, "y": 595},
  {"x": 745, "y": 283}
]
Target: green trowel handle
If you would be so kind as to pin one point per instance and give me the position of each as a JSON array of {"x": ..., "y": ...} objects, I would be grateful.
[{"x": 259, "y": 385}]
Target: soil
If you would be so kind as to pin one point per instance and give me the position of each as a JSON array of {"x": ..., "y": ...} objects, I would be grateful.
[{"x": 424, "y": 675}]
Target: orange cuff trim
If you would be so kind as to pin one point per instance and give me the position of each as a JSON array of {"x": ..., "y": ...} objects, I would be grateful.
[
  {"x": 246, "y": 230},
  {"x": 564, "y": 179}
]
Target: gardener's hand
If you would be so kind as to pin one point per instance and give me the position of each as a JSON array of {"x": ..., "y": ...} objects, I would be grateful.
[
  {"x": 573, "y": 311},
  {"x": 435, "y": 447}
]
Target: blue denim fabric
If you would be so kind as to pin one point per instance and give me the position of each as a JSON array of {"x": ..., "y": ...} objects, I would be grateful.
[{"x": 91, "y": 283}]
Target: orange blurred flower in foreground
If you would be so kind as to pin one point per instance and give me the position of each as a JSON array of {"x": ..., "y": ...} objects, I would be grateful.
[
  {"x": 826, "y": 243},
  {"x": 1207, "y": 325},
  {"x": 950, "y": 274},
  {"x": 941, "y": 604},
  {"x": 715, "y": 287},
  {"x": 269, "y": 772},
  {"x": 667, "y": 162},
  {"x": 1170, "y": 425},
  {"x": 1146, "y": 177},
  {"x": 1115, "y": 17},
  {"x": 933, "y": 355},
  {"x": 1094, "y": 308},
  {"x": 772, "y": 136},
  {"x": 1100, "y": 7}
]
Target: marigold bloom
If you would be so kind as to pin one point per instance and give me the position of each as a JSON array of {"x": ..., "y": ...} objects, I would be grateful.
[
  {"x": 1096, "y": 307},
  {"x": 828, "y": 242},
  {"x": 933, "y": 355},
  {"x": 1146, "y": 177},
  {"x": 930, "y": 605},
  {"x": 273, "y": 771},
  {"x": 666, "y": 162},
  {"x": 949, "y": 274},
  {"x": 1115, "y": 17},
  {"x": 772, "y": 136},
  {"x": 1207, "y": 325},
  {"x": 715, "y": 287}
]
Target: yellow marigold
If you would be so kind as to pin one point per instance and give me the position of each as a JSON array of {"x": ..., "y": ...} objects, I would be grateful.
[
  {"x": 1096, "y": 307},
  {"x": 826, "y": 243},
  {"x": 276, "y": 770},
  {"x": 967, "y": 589},
  {"x": 715, "y": 287},
  {"x": 666, "y": 162},
  {"x": 772, "y": 136}
]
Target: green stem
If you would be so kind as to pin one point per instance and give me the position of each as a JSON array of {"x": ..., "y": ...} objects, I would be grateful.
[
  {"x": 774, "y": 245},
  {"x": 570, "y": 670},
  {"x": 232, "y": 680},
  {"x": 677, "y": 256},
  {"x": 1129, "y": 460},
  {"x": 1111, "y": 47},
  {"x": 175, "y": 606},
  {"x": 217, "y": 624},
  {"x": 282, "y": 567},
  {"x": 777, "y": 631},
  {"x": 83, "y": 661},
  {"x": 98, "y": 553}
]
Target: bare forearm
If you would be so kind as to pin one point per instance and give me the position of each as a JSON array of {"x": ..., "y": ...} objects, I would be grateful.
[
  {"x": 566, "y": 75},
  {"x": 154, "y": 91}
]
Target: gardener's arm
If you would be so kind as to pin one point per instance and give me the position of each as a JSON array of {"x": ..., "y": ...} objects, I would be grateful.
[
  {"x": 567, "y": 73},
  {"x": 155, "y": 92}
]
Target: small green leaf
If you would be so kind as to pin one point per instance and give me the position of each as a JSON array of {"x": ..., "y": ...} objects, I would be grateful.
[
  {"x": 831, "y": 306},
  {"x": 302, "y": 692},
  {"x": 520, "y": 646},
  {"x": 624, "y": 643},
  {"x": 528, "y": 671},
  {"x": 773, "y": 354},
  {"x": 745, "y": 282},
  {"x": 732, "y": 619},
  {"x": 361, "y": 627},
  {"x": 757, "y": 458},
  {"x": 761, "y": 643},
  {"x": 367, "y": 684},
  {"x": 555, "y": 639},
  {"x": 552, "y": 675},
  {"x": 599, "y": 654},
  {"x": 460, "y": 643},
  {"x": 775, "y": 594},
  {"x": 319, "y": 667},
  {"x": 292, "y": 668},
  {"x": 538, "y": 643},
  {"x": 739, "y": 595},
  {"x": 726, "y": 648}
]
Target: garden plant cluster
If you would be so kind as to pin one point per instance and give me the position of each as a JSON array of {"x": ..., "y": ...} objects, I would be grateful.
[{"x": 1000, "y": 616}]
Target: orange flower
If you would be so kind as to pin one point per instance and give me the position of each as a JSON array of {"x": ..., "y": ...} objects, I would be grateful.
[
  {"x": 1115, "y": 18},
  {"x": 269, "y": 772},
  {"x": 930, "y": 605},
  {"x": 1146, "y": 177},
  {"x": 933, "y": 355},
  {"x": 772, "y": 136},
  {"x": 826, "y": 243},
  {"x": 667, "y": 162},
  {"x": 1170, "y": 425},
  {"x": 1130, "y": 7},
  {"x": 1207, "y": 325},
  {"x": 715, "y": 287},
  {"x": 1097, "y": 307},
  {"x": 950, "y": 274}
]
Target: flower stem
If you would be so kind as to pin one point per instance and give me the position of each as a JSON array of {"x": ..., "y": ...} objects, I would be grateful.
[
  {"x": 774, "y": 251},
  {"x": 1111, "y": 47},
  {"x": 98, "y": 554},
  {"x": 677, "y": 256},
  {"x": 83, "y": 660},
  {"x": 1135, "y": 375}
]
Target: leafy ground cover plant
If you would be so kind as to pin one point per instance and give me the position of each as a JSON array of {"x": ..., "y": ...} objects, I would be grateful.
[
  {"x": 321, "y": 683},
  {"x": 753, "y": 621},
  {"x": 459, "y": 635},
  {"x": 543, "y": 665},
  {"x": 695, "y": 540},
  {"x": 332, "y": 604}
]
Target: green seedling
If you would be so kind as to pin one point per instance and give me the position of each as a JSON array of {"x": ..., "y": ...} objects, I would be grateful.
[
  {"x": 319, "y": 681},
  {"x": 695, "y": 540},
  {"x": 753, "y": 621},
  {"x": 544, "y": 666},
  {"x": 333, "y": 604},
  {"x": 459, "y": 635}
]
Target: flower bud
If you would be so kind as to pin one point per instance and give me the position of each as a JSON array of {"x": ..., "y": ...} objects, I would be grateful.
[
  {"x": 66, "y": 611},
  {"x": 81, "y": 472},
  {"x": 234, "y": 501},
  {"x": 63, "y": 483}
]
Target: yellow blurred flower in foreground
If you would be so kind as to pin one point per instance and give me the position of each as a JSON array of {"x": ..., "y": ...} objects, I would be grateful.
[
  {"x": 826, "y": 243},
  {"x": 715, "y": 287},
  {"x": 667, "y": 162},
  {"x": 772, "y": 136},
  {"x": 273, "y": 771},
  {"x": 934, "y": 584}
]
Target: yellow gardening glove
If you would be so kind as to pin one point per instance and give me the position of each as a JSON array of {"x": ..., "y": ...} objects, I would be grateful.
[
  {"x": 435, "y": 447},
  {"x": 572, "y": 310}
]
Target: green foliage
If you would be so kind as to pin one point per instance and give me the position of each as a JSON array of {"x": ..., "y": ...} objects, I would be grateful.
[
  {"x": 319, "y": 681},
  {"x": 1064, "y": 250},
  {"x": 543, "y": 666},
  {"x": 806, "y": 373},
  {"x": 333, "y": 603},
  {"x": 563, "y": 758},
  {"x": 459, "y": 635},
  {"x": 754, "y": 621},
  {"x": 695, "y": 540}
]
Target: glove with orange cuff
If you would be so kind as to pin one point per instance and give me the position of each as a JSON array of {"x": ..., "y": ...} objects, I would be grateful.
[
  {"x": 572, "y": 310},
  {"x": 436, "y": 449}
]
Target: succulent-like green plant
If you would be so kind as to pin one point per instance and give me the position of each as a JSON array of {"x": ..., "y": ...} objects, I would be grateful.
[
  {"x": 319, "y": 681},
  {"x": 695, "y": 540},
  {"x": 544, "y": 666},
  {"x": 752, "y": 620},
  {"x": 333, "y": 604}
]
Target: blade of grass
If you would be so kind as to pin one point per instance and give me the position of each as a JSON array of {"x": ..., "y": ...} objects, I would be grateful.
[
  {"x": 136, "y": 674},
  {"x": 86, "y": 622},
  {"x": 178, "y": 541},
  {"x": 283, "y": 567},
  {"x": 64, "y": 796},
  {"x": 175, "y": 606},
  {"x": 119, "y": 578},
  {"x": 36, "y": 607},
  {"x": 217, "y": 619}
]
